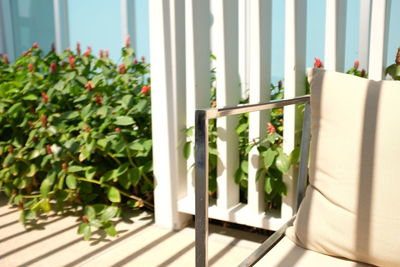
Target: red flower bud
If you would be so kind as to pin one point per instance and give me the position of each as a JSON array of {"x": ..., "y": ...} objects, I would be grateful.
[
  {"x": 318, "y": 63},
  {"x": 85, "y": 219},
  {"x": 356, "y": 64},
  {"x": 53, "y": 67},
  {"x": 143, "y": 59},
  {"x": 362, "y": 74},
  {"x": 280, "y": 84},
  {"x": 23, "y": 53},
  {"x": 43, "y": 119},
  {"x": 86, "y": 129},
  {"x": 145, "y": 89},
  {"x": 87, "y": 52},
  {"x": 21, "y": 205},
  {"x": 35, "y": 45},
  {"x": 127, "y": 41},
  {"x": 113, "y": 113},
  {"x": 99, "y": 100},
  {"x": 122, "y": 69},
  {"x": 271, "y": 129},
  {"x": 29, "y": 54},
  {"x": 64, "y": 166},
  {"x": 89, "y": 86},
  {"x": 45, "y": 98},
  {"x": 117, "y": 130},
  {"x": 135, "y": 61},
  {"x": 31, "y": 67},
  {"x": 71, "y": 60},
  {"x": 78, "y": 48},
  {"x": 48, "y": 149},
  {"x": 5, "y": 58},
  {"x": 107, "y": 53},
  {"x": 68, "y": 49},
  {"x": 101, "y": 53}
]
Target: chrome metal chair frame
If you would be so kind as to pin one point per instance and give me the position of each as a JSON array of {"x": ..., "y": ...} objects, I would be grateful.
[{"x": 201, "y": 173}]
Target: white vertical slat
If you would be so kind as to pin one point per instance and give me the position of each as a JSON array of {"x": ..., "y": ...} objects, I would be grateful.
[
  {"x": 379, "y": 37},
  {"x": 228, "y": 93},
  {"x": 197, "y": 68},
  {"x": 295, "y": 51},
  {"x": 61, "y": 24},
  {"x": 335, "y": 34},
  {"x": 244, "y": 45},
  {"x": 128, "y": 26},
  {"x": 365, "y": 19},
  {"x": 260, "y": 72},
  {"x": 168, "y": 112},
  {"x": 7, "y": 27}
]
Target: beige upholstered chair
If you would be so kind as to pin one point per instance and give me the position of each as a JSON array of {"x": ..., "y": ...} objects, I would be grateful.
[{"x": 350, "y": 215}]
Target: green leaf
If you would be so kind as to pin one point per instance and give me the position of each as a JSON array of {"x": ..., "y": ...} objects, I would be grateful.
[
  {"x": 282, "y": 162},
  {"x": 75, "y": 168},
  {"x": 268, "y": 185},
  {"x": 90, "y": 212},
  {"x": 45, "y": 205},
  {"x": 109, "y": 213},
  {"x": 71, "y": 181},
  {"x": 187, "y": 149},
  {"x": 124, "y": 181},
  {"x": 113, "y": 195},
  {"x": 17, "y": 107},
  {"x": 45, "y": 187},
  {"x": 110, "y": 230},
  {"x": 242, "y": 127},
  {"x": 30, "y": 97},
  {"x": 90, "y": 172},
  {"x": 84, "y": 229},
  {"x": 124, "y": 120},
  {"x": 244, "y": 165},
  {"x": 268, "y": 157},
  {"x": 134, "y": 176}
]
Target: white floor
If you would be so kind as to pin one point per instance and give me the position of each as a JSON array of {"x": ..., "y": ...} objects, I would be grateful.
[{"x": 55, "y": 242}]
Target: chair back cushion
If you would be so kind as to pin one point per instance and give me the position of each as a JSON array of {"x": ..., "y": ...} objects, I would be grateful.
[{"x": 352, "y": 207}]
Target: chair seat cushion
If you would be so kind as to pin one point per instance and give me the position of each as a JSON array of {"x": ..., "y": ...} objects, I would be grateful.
[
  {"x": 351, "y": 208},
  {"x": 288, "y": 254}
]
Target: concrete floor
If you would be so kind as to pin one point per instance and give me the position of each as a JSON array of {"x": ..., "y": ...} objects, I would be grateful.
[{"x": 54, "y": 241}]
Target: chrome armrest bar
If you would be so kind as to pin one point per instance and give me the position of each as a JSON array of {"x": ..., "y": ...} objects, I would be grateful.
[
  {"x": 201, "y": 158},
  {"x": 267, "y": 245}
]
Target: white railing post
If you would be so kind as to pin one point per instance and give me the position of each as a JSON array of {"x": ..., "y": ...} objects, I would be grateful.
[
  {"x": 128, "y": 26},
  {"x": 197, "y": 69},
  {"x": 365, "y": 22},
  {"x": 378, "y": 39},
  {"x": 260, "y": 71},
  {"x": 7, "y": 29},
  {"x": 61, "y": 24},
  {"x": 295, "y": 50},
  {"x": 228, "y": 94},
  {"x": 335, "y": 34},
  {"x": 168, "y": 109},
  {"x": 244, "y": 45}
]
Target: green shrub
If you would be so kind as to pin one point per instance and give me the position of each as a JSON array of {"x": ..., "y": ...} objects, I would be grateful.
[{"x": 75, "y": 130}]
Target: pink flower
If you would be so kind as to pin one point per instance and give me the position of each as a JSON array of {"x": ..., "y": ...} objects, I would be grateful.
[
  {"x": 107, "y": 53},
  {"x": 53, "y": 67},
  {"x": 318, "y": 63},
  {"x": 5, "y": 59},
  {"x": 127, "y": 41},
  {"x": 45, "y": 98},
  {"x": 145, "y": 90},
  {"x": 31, "y": 67},
  {"x": 356, "y": 64},
  {"x": 101, "y": 53},
  {"x": 135, "y": 61},
  {"x": 117, "y": 130},
  {"x": 143, "y": 59},
  {"x": 71, "y": 60},
  {"x": 35, "y": 45},
  {"x": 271, "y": 129},
  {"x": 122, "y": 69},
  {"x": 89, "y": 86},
  {"x": 87, "y": 52}
]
